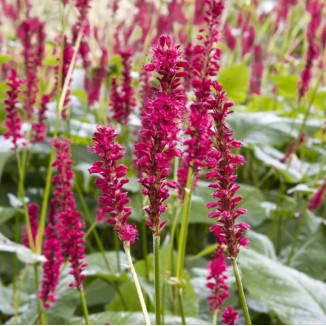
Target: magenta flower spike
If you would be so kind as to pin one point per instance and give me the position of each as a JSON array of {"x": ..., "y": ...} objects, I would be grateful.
[
  {"x": 223, "y": 164},
  {"x": 66, "y": 60},
  {"x": 94, "y": 84},
  {"x": 315, "y": 9},
  {"x": 13, "y": 121},
  {"x": 229, "y": 316},
  {"x": 114, "y": 199},
  {"x": 39, "y": 127},
  {"x": 33, "y": 217},
  {"x": 32, "y": 36},
  {"x": 159, "y": 138},
  {"x": 53, "y": 253},
  {"x": 123, "y": 100},
  {"x": 317, "y": 199},
  {"x": 217, "y": 277},
  {"x": 205, "y": 66},
  {"x": 70, "y": 225},
  {"x": 257, "y": 70}
]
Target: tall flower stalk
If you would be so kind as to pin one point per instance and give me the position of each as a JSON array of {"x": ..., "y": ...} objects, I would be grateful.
[
  {"x": 114, "y": 200},
  {"x": 223, "y": 164},
  {"x": 157, "y": 145},
  {"x": 205, "y": 66},
  {"x": 70, "y": 224}
]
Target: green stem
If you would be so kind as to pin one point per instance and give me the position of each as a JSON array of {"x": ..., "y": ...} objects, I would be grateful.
[
  {"x": 95, "y": 233},
  {"x": 117, "y": 249},
  {"x": 84, "y": 305},
  {"x": 296, "y": 237},
  {"x": 182, "y": 312},
  {"x": 215, "y": 313},
  {"x": 241, "y": 292},
  {"x": 184, "y": 224},
  {"x": 156, "y": 249},
  {"x": 17, "y": 294},
  {"x": 21, "y": 191},
  {"x": 126, "y": 246},
  {"x": 39, "y": 303}
]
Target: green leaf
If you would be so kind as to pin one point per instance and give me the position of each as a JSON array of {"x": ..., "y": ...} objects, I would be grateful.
[
  {"x": 235, "y": 81},
  {"x": 207, "y": 251},
  {"x": 24, "y": 254},
  {"x": 6, "y": 213},
  {"x": 309, "y": 256},
  {"x": 287, "y": 85},
  {"x": 133, "y": 318},
  {"x": 293, "y": 296},
  {"x": 5, "y": 155},
  {"x": 262, "y": 244}
]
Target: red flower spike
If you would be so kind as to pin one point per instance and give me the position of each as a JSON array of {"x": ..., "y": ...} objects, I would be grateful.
[
  {"x": 217, "y": 277},
  {"x": 229, "y": 316},
  {"x": 13, "y": 121},
  {"x": 70, "y": 225},
  {"x": 113, "y": 200},
  {"x": 226, "y": 231},
  {"x": 123, "y": 100},
  {"x": 162, "y": 114},
  {"x": 205, "y": 64}
]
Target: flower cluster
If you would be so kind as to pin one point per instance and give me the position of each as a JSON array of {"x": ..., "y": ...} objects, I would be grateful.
[
  {"x": 248, "y": 35},
  {"x": 229, "y": 316},
  {"x": 317, "y": 199},
  {"x": 282, "y": 10},
  {"x": 257, "y": 70},
  {"x": 123, "y": 101},
  {"x": 229, "y": 38},
  {"x": 39, "y": 127},
  {"x": 31, "y": 34},
  {"x": 68, "y": 52},
  {"x": 223, "y": 164},
  {"x": 13, "y": 121},
  {"x": 315, "y": 10},
  {"x": 69, "y": 220},
  {"x": 113, "y": 200},
  {"x": 205, "y": 65},
  {"x": 217, "y": 280},
  {"x": 33, "y": 217},
  {"x": 54, "y": 258},
  {"x": 94, "y": 84},
  {"x": 158, "y": 141}
]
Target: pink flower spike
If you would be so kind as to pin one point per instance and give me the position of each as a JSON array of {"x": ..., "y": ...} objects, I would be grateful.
[
  {"x": 70, "y": 225},
  {"x": 123, "y": 100},
  {"x": 229, "y": 316},
  {"x": 317, "y": 199},
  {"x": 113, "y": 200},
  {"x": 226, "y": 231},
  {"x": 39, "y": 127},
  {"x": 157, "y": 144},
  {"x": 54, "y": 258},
  {"x": 13, "y": 121},
  {"x": 217, "y": 277}
]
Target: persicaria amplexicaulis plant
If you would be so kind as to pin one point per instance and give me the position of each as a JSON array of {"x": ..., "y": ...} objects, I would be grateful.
[
  {"x": 70, "y": 224},
  {"x": 123, "y": 99},
  {"x": 160, "y": 128},
  {"x": 223, "y": 163},
  {"x": 114, "y": 199},
  {"x": 13, "y": 121}
]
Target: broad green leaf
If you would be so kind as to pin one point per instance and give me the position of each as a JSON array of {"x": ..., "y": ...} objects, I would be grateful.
[
  {"x": 235, "y": 80},
  {"x": 24, "y": 254},
  {"x": 293, "y": 296},
  {"x": 6, "y": 213},
  {"x": 309, "y": 256},
  {"x": 133, "y": 318},
  {"x": 260, "y": 243},
  {"x": 287, "y": 85},
  {"x": 263, "y": 103}
]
